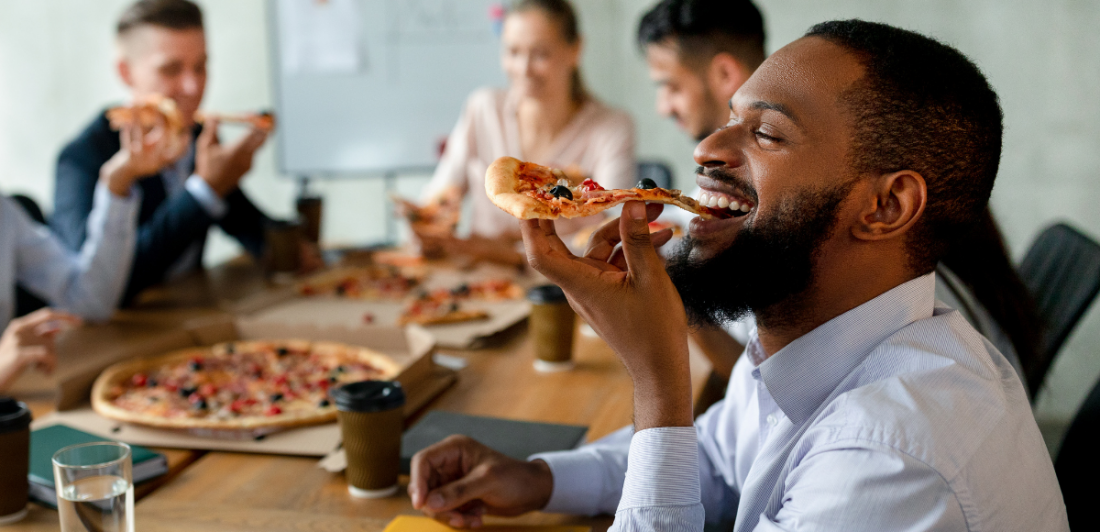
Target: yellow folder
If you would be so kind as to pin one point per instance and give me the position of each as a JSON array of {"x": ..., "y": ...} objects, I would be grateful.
[{"x": 409, "y": 523}]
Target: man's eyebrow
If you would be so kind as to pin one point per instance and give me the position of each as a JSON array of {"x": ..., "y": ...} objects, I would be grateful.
[{"x": 761, "y": 105}]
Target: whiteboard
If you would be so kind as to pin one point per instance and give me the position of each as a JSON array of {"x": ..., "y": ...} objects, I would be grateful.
[{"x": 375, "y": 86}]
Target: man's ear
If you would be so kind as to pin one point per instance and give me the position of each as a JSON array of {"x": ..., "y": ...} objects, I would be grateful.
[
  {"x": 726, "y": 74},
  {"x": 122, "y": 66},
  {"x": 893, "y": 204}
]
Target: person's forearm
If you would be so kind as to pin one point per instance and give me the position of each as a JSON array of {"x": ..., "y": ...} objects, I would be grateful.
[
  {"x": 662, "y": 394},
  {"x": 104, "y": 262}
]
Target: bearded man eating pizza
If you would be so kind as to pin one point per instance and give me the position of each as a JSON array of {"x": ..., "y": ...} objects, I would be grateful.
[{"x": 860, "y": 403}]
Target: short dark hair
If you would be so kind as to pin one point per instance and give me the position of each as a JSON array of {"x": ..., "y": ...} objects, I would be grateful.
[
  {"x": 172, "y": 14},
  {"x": 922, "y": 105},
  {"x": 702, "y": 29}
]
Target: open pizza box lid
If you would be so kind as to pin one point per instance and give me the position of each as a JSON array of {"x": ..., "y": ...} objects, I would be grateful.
[{"x": 410, "y": 347}]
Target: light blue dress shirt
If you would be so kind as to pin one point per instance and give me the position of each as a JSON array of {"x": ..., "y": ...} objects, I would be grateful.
[
  {"x": 88, "y": 284},
  {"x": 896, "y": 415}
]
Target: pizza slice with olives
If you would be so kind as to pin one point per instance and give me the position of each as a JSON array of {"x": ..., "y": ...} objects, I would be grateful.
[{"x": 528, "y": 191}]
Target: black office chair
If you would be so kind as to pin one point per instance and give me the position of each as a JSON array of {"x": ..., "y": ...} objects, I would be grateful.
[
  {"x": 26, "y": 302},
  {"x": 659, "y": 172},
  {"x": 1078, "y": 465},
  {"x": 1062, "y": 272}
]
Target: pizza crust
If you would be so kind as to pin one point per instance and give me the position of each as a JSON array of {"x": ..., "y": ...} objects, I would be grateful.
[
  {"x": 501, "y": 182},
  {"x": 120, "y": 373}
]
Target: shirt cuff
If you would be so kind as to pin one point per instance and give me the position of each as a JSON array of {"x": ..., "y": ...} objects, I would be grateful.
[
  {"x": 663, "y": 469},
  {"x": 577, "y": 482},
  {"x": 213, "y": 204},
  {"x": 112, "y": 213}
]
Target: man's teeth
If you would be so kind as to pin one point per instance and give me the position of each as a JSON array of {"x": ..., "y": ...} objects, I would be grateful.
[{"x": 716, "y": 201}]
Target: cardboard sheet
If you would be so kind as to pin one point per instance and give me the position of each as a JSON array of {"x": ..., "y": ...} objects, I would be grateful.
[
  {"x": 317, "y": 440},
  {"x": 351, "y": 313}
]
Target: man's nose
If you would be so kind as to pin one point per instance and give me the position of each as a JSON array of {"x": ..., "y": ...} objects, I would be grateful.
[
  {"x": 191, "y": 84},
  {"x": 721, "y": 148}
]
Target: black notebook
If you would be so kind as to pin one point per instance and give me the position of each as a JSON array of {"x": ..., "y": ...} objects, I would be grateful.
[{"x": 517, "y": 439}]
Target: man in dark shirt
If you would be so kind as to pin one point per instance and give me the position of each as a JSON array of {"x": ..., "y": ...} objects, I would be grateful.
[{"x": 162, "y": 50}]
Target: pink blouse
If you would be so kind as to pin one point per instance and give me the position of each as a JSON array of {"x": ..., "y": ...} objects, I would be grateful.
[{"x": 599, "y": 140}]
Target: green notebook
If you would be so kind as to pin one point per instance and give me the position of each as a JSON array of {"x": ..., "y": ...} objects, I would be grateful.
[{"x": 47, "y": 441}]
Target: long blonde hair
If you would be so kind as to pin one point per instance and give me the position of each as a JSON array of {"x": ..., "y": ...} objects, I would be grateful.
[{"x": 562, "y": 14}]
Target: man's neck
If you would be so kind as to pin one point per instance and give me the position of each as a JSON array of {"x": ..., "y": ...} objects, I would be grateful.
[{"x": 830, "y": 295}]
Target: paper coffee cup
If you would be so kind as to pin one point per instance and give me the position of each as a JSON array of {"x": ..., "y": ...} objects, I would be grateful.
[
  {"x": 371, "y": 415},
  {"x": 552, "y": 325},
  {"x": 15, "y": 438}
]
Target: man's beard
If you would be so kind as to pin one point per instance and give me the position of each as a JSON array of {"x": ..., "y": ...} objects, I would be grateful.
[{"x": 769, "y": 263}]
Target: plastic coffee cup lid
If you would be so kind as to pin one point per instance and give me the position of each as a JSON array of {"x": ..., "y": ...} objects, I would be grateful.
[
  {"x": 371, "y": 494},
  {"x": 547, "y": 293},
  {"x": 14, "y": 415},
  {"x": 369, "y": 396}
]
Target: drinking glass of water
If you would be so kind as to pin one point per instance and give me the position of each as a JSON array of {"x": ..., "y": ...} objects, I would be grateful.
[{"x": 95, "y": 487}]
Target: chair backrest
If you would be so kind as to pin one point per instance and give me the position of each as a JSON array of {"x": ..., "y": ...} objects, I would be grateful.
[
  {"x": 659, "y": 172},
  {"x": 1078, "y": 464},
  {"x": 30, "y": 206},
  {"x": 1062, "y": 272}
]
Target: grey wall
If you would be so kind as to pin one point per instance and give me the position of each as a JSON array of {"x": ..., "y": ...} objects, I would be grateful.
[{"x": 1043, "y": 57}]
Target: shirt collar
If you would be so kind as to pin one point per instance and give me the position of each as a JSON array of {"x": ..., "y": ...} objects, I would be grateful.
[{"x": 801, "y": 375}]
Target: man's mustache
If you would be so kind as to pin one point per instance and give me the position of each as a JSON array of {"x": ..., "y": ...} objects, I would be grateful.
[{"x": 740, "y": 185}]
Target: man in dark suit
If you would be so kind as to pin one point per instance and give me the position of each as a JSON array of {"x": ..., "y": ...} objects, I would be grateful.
[{"x": 162, "y": 50}]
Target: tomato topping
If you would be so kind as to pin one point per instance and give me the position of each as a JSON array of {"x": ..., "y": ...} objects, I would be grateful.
[
  {"x": 207, "y": 390},
  {"x": 280, "y": 379},
  {"x": 273, "y": 410},
  {"x": 139, "y": 379},
  {"x": 589, "y": 185}
]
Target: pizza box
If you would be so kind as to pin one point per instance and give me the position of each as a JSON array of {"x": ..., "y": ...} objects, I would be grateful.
[
  {"x": 410, "y": 347},
  {"x": 287, "y": 307}
]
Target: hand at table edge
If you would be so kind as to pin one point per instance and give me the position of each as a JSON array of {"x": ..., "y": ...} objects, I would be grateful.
[{"x": 459, "y": 480}]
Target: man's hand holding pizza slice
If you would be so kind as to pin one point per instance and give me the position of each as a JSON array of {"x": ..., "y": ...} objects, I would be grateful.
[{"x": 616, "y": 290}]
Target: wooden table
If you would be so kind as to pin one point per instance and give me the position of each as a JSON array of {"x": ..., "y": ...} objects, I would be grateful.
[{"x": 222, "y": 491}]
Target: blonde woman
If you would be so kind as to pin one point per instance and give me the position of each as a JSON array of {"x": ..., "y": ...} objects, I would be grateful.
[{"x": 545, "y": 116}]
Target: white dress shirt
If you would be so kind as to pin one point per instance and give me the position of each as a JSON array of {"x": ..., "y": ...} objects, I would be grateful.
[
  {"x": 88, "y": 284},
  {"x": 896, "y": 415},
  {"x": 176, "y": 180}
]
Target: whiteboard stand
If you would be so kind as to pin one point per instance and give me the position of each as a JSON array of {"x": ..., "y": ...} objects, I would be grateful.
[{"x": 390, "y": 180}]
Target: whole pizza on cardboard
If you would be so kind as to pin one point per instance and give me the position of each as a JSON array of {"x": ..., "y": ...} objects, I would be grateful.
[{"x": 244, "y": 385}]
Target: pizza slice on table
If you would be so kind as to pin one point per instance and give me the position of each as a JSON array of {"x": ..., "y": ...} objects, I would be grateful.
[
  {"x": 531, "y": 191},
  {"x": 442, "y": 306}
]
